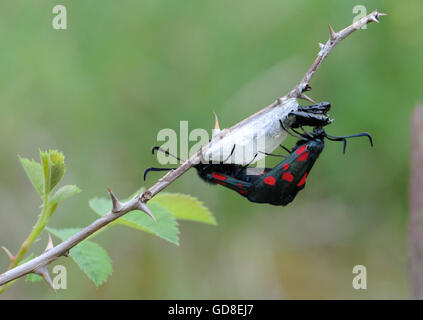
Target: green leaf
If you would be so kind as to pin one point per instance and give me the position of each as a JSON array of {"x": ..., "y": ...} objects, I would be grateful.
[
  {"x": 64, "y": 193},
  {"x": 53, "y": 165},
  {"x": 166, "y": 226},
  {"x": 93, "y": 260},
  {"x": 89, "y": 256},
  {"x": 34, "y": 171},
  {"x": 58, "y": 168},
  {"x": 45, "y": 163},
  {"x": 32, "y": 277},
  {"x": 63, "y": 234},
  {"x": 100, "y": 205},
  {"x": 184, "y": 206}
]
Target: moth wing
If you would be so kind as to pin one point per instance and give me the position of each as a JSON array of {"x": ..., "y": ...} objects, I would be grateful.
[
  {"x": 280, "y": 185},
  {"x": 230, "y": 182}
]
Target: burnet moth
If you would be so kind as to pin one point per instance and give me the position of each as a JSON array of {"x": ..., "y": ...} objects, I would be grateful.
[{"x": 278, "y": 185}]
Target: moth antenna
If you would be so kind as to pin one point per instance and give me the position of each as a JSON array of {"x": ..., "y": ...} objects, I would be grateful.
[
  {"x": 344, "y": 138},
  {"x": 362, "y": 134},
  {"x": 157, "y": 148},
  {"x": 155, "y": 169}
]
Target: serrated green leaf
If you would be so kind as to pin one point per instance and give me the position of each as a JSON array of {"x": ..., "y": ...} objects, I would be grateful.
[
  {"x": 166, "y": 226},
  {"x": 89, "y": 256},
  {"x": 93, "y": 260},
  {"x": 45, "y": 164},
  {"x": 64, "y": 193},
  {"x": 32, "y": 277},
  {"x": 184, "y": 206},
  {"x": 57, "y": 167},
  {"x": 63, "y": 234},
  {"x": 100, "y": 205},
  {"x": 34, "y": 171}
]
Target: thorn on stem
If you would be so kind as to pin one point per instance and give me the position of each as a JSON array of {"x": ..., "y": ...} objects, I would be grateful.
[
  {"x": 216, "y": 129},
  {"x": 305, "y": 97},
  {"x": 143, "y": 207},
  {"x": 321, "y": 45},
  {"x": 116, "y": 203},
  {"x": 216, "y": 122},
  {"x": 332, "y": 33},
  {"x": 9, "y": 254},
  {"x": 43, "y": 272},
  {"x": 49, "y": 243}
]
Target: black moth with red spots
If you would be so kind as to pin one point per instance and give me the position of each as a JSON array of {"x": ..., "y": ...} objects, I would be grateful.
[{"x": 278, "y": 185}]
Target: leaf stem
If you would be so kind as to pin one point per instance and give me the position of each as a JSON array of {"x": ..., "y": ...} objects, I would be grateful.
[{"x": 34, "y": 234}]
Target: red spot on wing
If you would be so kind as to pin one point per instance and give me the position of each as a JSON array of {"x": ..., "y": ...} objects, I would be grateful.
[
  {"x": 287, "y": 176},
  {"x": 301, "y": 149},
  {"x": 303, "y": 180},
  {"x": 303, "y": 156},
  {"x": 269, "y": 180},
  {"x": 285, "y": 166},
  {"x": 243, "y": 192},
  {"x": 218, "y": 176}
]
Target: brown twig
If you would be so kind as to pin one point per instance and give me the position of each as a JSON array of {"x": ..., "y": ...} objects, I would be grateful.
[{"x": 139, "y": 201}]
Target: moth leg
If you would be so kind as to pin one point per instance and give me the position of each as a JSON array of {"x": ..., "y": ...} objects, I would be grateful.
[
  {"x": 289, "y": 132},
  {"x": 286, "y": 149},
  {"x": 250, "y": 161},
  {"x": 155, "y": 169},
  {"x": 305, "y": 134},
  {"x": 273, "y": 155},
  {"x": 230, "y": 155}
]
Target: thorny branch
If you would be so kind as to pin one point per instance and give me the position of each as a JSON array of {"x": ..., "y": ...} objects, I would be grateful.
[{"x": 40, "y": 264}]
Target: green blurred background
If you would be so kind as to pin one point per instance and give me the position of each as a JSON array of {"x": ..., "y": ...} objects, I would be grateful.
[{"x": 102, "y": 89}]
